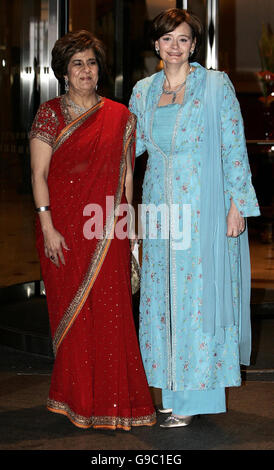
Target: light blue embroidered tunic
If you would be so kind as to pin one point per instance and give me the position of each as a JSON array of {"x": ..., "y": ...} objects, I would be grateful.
[{"x": 177, "y": 352}]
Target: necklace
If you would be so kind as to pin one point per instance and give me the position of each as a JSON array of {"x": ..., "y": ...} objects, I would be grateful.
[
  {"x": 76, "y": 107},
  {"x": 174, "y": 92}
]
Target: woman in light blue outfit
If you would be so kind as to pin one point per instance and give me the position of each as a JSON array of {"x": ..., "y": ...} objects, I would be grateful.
[{"x": 197, "y": 192}]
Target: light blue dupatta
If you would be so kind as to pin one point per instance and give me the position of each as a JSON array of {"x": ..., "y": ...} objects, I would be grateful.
[{"x": 219, "y": 311}]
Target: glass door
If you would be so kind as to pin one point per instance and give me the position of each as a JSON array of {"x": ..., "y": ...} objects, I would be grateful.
[{"x": 28, "y": 31}]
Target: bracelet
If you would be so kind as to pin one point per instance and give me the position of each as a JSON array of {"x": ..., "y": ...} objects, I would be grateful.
[{"x": 42, "y": 209}]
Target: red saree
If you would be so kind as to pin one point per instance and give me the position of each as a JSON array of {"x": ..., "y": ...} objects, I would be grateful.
[{"x": 98, "y": 378}]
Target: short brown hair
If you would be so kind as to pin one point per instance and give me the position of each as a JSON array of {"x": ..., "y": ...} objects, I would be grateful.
[
  {"x": 70, "y": 44},
  {"x": 168, "y": 20}
]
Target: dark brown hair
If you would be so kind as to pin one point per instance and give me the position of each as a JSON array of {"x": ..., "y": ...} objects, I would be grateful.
[
  {"x": 70, "y": 44},
  {"x": 168, "y": 20}
]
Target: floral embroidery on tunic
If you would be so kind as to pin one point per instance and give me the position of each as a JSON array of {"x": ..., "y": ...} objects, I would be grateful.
[{"x": 176, "y": 353}]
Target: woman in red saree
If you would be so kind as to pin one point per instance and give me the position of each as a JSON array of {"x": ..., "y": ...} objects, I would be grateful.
[{"x": 82, "y": 150}]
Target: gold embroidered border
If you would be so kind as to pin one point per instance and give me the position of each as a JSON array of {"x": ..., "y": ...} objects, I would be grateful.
[
  {"x": 45, "y": 137},
  {"x": 109, "y": 422},
  {"x": 101, "y": 249}
]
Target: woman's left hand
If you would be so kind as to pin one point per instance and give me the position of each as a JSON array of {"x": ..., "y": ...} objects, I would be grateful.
[{"x": 235, "y": 222}]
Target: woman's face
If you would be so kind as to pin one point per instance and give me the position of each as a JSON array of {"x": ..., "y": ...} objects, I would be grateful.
[
  {"x": 175, "y": 47},
  {"x": 83, "y": 72}
]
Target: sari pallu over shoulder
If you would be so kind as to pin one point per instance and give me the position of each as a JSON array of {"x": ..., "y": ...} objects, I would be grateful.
[
  {"x": 217, "y": 285},
  {"x": 67, "y": 131},
  {"x": 87, "y": 135}
]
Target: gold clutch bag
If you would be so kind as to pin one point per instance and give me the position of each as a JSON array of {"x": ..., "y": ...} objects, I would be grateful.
[{"x": 135, "y": 270}]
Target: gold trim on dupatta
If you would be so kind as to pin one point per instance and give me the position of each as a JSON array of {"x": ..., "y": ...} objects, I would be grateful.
[
  {"x": 73, "y": 125},
  {"x": 102, "y": 246}
]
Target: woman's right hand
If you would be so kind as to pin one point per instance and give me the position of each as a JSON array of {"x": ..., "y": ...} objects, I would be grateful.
[{"x": 54, "y": 243}]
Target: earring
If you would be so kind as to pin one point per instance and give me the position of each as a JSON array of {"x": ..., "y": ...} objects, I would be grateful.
[
  {"x": 157, "y": 50},
  {"x": 66, "y": 84},
  {"x": 191, "y": 53}
]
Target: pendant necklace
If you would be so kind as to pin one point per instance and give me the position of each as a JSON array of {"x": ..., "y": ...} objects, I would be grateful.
[
  {"x": 77, "y": 109},
  {"x": 174, "y": 92}
]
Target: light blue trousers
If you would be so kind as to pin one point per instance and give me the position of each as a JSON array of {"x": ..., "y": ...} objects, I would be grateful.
[{"x": 195, "y": 402}]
